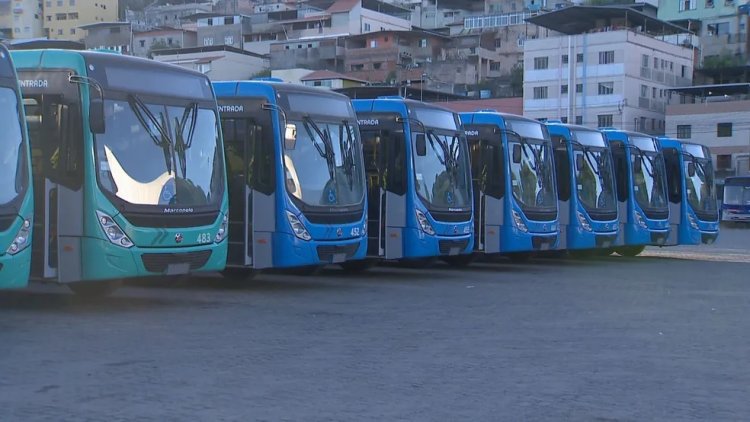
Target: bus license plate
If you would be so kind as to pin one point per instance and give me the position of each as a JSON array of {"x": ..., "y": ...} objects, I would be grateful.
[
  {"x": 454, "y": 251},
  {"x": 338, "y": 257},
  {"x": 544, "y": 246},
  {"x": 177, "y": 269}
]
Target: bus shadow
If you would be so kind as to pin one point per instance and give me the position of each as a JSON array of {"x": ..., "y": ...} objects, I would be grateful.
[
  {"x": 261, "y": 282},
  {"x": 69, "y": 303}
]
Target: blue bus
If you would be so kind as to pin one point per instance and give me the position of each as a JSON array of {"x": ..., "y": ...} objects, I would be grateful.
[
  {"x": 585, "y": 188},
  {"x": 515, "y": 197},
  {"x": 296, "y": 176},
  {"x": 127, "y": 169},
  {"x": 16, "y": 192},
  {"x": 735, "y": 207},
  {"x": 418, "y": 179},
  {"x": 641, "y": 185},
  {"x": 691, "y": 191}
]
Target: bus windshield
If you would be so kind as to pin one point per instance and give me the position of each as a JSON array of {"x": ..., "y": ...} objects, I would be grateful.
[
  {"x": 531, "y": 177},
  {"x": 442, "y": 175},
  {"x": 594, "y": 180},
  {"x": 12, "y": 169},
  {"x": 649, "y": 182},
  {"x": 701, "y": 191},
  {"x": 157, "y": 154},
  {"x": 325, "y": 167},
  {"x": 737, "y": 194}
]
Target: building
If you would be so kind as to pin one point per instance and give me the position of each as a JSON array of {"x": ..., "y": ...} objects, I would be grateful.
[
  {"x": 512, "y": 105},
  {"x": 218, "y": 62},
  {"x": 723, "y": 29},
  {"x": 223, "y": 30},
  {"x": 157, "y": 15},
  {"x": 164, "y": 38},
  {"x": 330, "y": 80},
  {"x": 115, "y": 36},
  {"x": 21, "y": 19},
  {"x": 315, "y": 53},
  {"x": 717, "y": 116},
  {"x": 63, "y": 18},
  {"x": 610, "y": 68}
]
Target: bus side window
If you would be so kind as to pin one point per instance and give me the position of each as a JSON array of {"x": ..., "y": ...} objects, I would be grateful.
[
  {"x": 562, "y": 168},
  {"x": 674, "y": 179},
  {"x": 621, "y": 170}
]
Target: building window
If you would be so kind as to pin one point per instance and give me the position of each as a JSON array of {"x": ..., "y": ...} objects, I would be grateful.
[
  {"x": 540, "y": 92},
  {"x": 72, "y": 2},
  {"x": 563, "y": 89},
  {"x": 59, "y": 3},
  {"x": 61, "y": 17},
  {"x": 204, "y": 68},
  {"x": 541, "y": 63},
  {"x": 373, "y": 43},
  {"x": 653, "y": 92},
  {"x": 564, "y": 119},
  {"x": 653, "y": 124},
  {"x": 683, "y": 72},
  {"x": 606, "y": 57},
  {"x": 356, "y": 67},
  {"x": 72, "y": 31},
  {"x": 579, "y": 58},
  {"x": 723, "y": 130},
  {"x": 367, "y": 27},
  {"x": 604, "y": 120},
  {"x": 606, "y": 88},
  {"x": 377, "y": 65},
  {"x": 644, "y": 60},
  {"x": 684, "y": 131},
  {"x": 579, "y": 120},
  {"x": 564, "y": 59},
  {"x": 423, "y": 43},
  {"x": 724, "y": 161},
  {"x": 579, "y": 88},
  {"x": 644, "y": 91},
  {"x": 73, "y": 16},
  {"x": 49, "y": 18},
  {"x": 687, "y": 5},
  {"x": 142, "y": 43},
  {"x": 59, "y": 32},
  {"x": 48, "y": 3}
]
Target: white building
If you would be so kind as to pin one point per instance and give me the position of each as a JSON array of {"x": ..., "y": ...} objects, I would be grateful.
[
  {"x": 21, "y": 19},
  {"x": 717, "y": 116},
  {"x": 608, "y": 74},
  {"x": 219, "y": 62}
]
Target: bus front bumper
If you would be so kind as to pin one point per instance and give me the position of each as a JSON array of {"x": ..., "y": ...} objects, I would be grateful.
[
  {"x": 14, "y": 269},
  {"x": 289, "y": 251},
  {"x": 514, "y": 240}
]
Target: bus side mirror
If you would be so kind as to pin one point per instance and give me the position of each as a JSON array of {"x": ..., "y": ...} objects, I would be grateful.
[
  {"x": 691, "y": 169},
  {"x": 96, "y": 116},
  {"x": 579, "y": 162},
  {"x": 290, "y": 136},
  {"x": 516, "y": 153},
  {"x": 421, "y": 145}
]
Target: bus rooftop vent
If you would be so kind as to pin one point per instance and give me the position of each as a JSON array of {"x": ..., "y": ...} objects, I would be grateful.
[{"x": 268, "y": 79}]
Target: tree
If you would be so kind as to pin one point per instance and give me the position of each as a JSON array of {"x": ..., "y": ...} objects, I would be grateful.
[
  {"x": 516, "y": 80},
  {"x": 160, "y": 45}
]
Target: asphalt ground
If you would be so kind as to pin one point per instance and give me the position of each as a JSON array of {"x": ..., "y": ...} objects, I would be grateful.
[{"x": 663, "y": 336}]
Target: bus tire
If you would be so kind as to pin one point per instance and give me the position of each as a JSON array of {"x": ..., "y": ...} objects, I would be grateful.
[
  {"x": 94, "y": 289},
  {"x": 630, "y": 251},
  {"x": 238, "y": 273},
  {"x": 458, "y": 260},
  {"x": 358, "y": 266},
  {"x": 519, "y": 257}
]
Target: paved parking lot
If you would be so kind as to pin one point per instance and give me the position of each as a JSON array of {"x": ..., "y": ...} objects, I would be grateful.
[{"x": 659, "y": 337}]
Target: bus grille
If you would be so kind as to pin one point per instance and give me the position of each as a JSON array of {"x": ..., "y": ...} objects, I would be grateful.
[
  {"x": 158, "y": 262},
  {"x": 658, "y": 238},
  {"x": 327, "y": 252},
  {"x": 446, "y": 245},
  {"x": 543, "y": 242}
]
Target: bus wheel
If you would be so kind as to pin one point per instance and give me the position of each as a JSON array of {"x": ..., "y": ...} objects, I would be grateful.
[
  {"x": 630, "y": 251},
  {"x": 519, "y": 257},
  {"x": 357, "y": 266},
  {"x": 238, "y": 273},
  {"x": 94, "y": 289},
  {"x": 458, "y": 260}
]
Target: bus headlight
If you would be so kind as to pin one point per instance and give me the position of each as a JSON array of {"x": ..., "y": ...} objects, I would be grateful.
[
  {"x": 424, "y": 223},
  {"x": 518, "y": 221},
  {"x": 583, "y": 221},
  {"x": 21, "y": 241},
  {"x": 693, "y": 223},
  {"x": 297, "y": 227},
  {"x": 640, "y": 219},
  {"x": 113, "y": 232},
  {"x": 221, "y": 234}
]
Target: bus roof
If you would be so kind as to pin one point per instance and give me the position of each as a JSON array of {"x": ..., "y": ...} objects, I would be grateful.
[{"x": 256, "y": 87}]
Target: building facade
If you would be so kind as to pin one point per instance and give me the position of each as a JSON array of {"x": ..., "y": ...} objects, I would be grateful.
[
  {"x": 166, "y": 38},
  {"x": 21, "y": 19},
  {"x": 115, "y": 36},
  {"x": 63, "y": 18},
  {"x": 614, "y": 78},
  {"x": 219, "y": 63}
]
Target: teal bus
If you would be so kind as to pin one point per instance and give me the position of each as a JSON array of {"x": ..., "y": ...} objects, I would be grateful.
[
  {"x": 127, "y": 166},
  {"x": 16, "y": 206}
]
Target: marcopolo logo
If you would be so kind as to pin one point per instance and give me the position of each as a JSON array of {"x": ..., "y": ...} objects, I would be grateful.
[
  {"x": 178, "y": 210},
  {"x": 33, "y": 83},
  {"x": 233, "y": 108}
]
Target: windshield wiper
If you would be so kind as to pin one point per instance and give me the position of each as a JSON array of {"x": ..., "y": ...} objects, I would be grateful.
[
  {"x": 142, "y": 113},
  {"x": 182, "y": 144},
  {"x": 327, "y": 151}
]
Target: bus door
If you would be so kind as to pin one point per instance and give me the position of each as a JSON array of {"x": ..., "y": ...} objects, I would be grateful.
[
  {"x": 54, "y": 119},
  {"x": 673, "y": 166},
  {"x": 249, "y": 154},
  {"x": 488, "y": 183},
  {"x": 622, "y": 183},
  {"x": 563, "y": 179},
  {"x": 384, "y": 150}
]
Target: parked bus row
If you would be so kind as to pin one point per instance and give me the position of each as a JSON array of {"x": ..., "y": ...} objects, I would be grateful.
[{"x": 126, "y": 167}]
